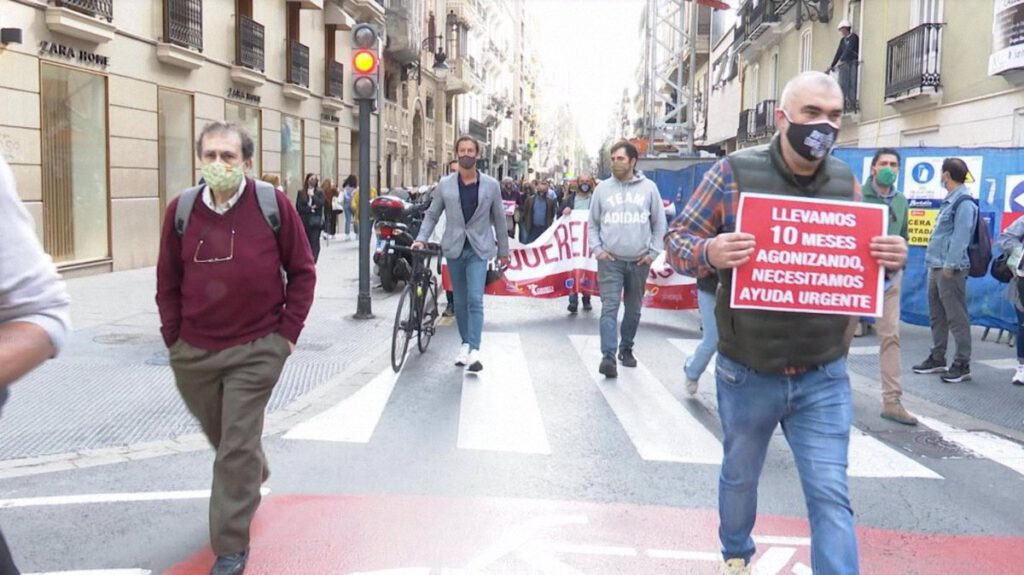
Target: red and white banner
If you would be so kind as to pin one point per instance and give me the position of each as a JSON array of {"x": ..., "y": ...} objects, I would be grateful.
[
  {"x": 510, "y": 207},
  {"x": 810, "y": 256},
  {"x": 559, "y": 263}
]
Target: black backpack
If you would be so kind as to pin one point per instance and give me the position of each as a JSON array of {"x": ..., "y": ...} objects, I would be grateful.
[
  {"x": 266, "y": 195},
  {"x": 979, "y": 251}
]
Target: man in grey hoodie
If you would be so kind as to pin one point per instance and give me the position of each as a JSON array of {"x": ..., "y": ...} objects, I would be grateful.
[
  {"x": 627, "y": 226},
  {"x": 34, "y": 316}
]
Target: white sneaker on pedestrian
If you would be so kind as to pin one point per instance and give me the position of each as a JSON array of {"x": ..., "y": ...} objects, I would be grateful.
[
  {"x": 691, "y": 386},
  {"x": 473, "y": 364},
  {"x": 460, "y": 360},
  {"x": 735, "y": 567},
  {"x": 1018, "y": 378}
]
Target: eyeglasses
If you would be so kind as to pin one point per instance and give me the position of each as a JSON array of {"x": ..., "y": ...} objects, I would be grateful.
[{"x": 202, "y": 240}]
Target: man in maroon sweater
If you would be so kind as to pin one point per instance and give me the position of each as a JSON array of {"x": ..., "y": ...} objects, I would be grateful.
[{"x": 230, "y": 321}]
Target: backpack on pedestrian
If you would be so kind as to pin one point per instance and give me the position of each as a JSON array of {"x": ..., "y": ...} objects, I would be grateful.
[
  {"x": 979, "y": 251},
  {"x": 266, "y": 195}
]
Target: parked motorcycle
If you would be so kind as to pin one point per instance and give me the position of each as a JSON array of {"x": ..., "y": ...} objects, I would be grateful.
[{"x": 397, "y": 223}]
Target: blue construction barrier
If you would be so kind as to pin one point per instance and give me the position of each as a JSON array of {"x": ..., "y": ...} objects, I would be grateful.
[{"x": 999, "y": 186}]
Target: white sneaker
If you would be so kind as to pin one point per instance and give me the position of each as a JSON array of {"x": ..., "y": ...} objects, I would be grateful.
[
  {"x": 1018, "y": 378},
  {"x": 691, "y": 386},
  {"x": 735, "y": 567},
  {"x": 460, "y": 360},
  {"x": 473, "y": 364}
]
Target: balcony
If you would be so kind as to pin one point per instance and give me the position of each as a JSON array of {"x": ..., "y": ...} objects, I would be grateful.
[
  {"x": 335, "y": 86},
  {"x": 912, "y": 65},
  {"x": 764, "y": 120},
  {"x": 745, "y": 131},
  {"x": 467, "y": 11},
  {"x": 755, "y": 21},
  {"x": 462, "y": 79},
  {"x": 183, "y": 34},
  {"x": 89, "y": 20},
  {"x": 848, "y": 76},
  {"x": 297, "y": 85},
  {"x": 404, "y": 30},
  {"x": 365, "y": 10},
  {"x": 249, "y": 40}
]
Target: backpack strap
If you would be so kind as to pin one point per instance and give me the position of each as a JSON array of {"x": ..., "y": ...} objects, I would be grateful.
[
  {"x": 267, "y": 197},
  {"x": 183, "y": 211}
]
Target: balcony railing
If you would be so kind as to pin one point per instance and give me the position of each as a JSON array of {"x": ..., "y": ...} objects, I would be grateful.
[
  {"x": 743, "y": 133},
  {"x": 183, "y": 23},
  {"x": 335, "y": 79},
  {"x": 98, "y": 8},
  {"x": 912, "y": 61},
  {"x": 756, "y": 19},
  {"x": 298, "y": 63},
  {"x": 249, "y": 43},
  {"x": 764, "y": 119}
]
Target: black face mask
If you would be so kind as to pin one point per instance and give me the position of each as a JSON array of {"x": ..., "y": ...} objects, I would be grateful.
[
  {"x": 466, "y": 162},
  {"x": 811, "y": 141}
]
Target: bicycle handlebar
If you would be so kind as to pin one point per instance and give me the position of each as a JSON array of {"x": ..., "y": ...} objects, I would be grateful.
[{"x": 423, "y": 252}]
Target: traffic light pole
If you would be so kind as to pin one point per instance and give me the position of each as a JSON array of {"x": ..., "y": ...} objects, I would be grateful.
[{"x": 363, "y": 301}]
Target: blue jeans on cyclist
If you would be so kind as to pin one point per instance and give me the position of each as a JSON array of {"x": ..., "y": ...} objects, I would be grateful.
[{"x": 468, "y": 273}]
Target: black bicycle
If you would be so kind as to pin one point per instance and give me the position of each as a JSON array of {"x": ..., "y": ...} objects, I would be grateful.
[{"x": 417, "y": 309}]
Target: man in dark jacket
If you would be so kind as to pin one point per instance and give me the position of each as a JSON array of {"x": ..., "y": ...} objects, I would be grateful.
[
  {"x": 310, "y": 202},
  {"x": 539, "y": 210},
  {"x": 774, "y": 367},
  {"x": 845, "y": 60}
]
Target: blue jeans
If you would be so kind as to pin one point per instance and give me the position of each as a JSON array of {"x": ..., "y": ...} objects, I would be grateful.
[
  {"x": 815, "y": 409},
  {"x": 468, "y": 273},
  {"x": 1020, "y": 333},
  {"x": 620, "y": 282},
  {"x": 698, "y": 362},
  {"x": 348, "y": 218},
  {"x": 574, "y": 299}
]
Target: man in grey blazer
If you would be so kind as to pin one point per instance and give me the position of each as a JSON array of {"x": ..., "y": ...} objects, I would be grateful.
[{"x": 475, "y": 232}]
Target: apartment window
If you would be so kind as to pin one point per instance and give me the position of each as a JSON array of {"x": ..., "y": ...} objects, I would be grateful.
[
  {"x": 76, "y": 212},
  {"x": 925, "y": 12},
  {"x": 291, "y": 153},
  {"x": 249, "y": 118},
  {"x": 449, "y": 109},
  {"x": 329, "y": 154},
  {"x": 177, "y": 153},
  {"x": 773, "y": 80},
  {"x": 249, "y": 37},
  {"x": 805, "y": 50},
  {"x": 183, "y": 23},
  {"x": 430, "y": 107}
]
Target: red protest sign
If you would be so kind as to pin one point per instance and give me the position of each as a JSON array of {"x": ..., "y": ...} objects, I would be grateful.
[{"x": 810, "y": 256}]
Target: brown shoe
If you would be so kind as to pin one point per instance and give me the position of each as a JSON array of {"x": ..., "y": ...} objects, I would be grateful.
[{"x": 894, "y": 411}]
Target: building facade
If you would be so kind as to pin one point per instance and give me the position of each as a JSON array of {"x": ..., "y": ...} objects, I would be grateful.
[{"x": 102, "y": 100}]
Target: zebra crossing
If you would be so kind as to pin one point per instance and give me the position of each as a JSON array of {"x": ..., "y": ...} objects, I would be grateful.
[{"x": 500, "y": 412}]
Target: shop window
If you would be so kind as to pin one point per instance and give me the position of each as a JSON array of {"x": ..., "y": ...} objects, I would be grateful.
[
  {"x": 329, "y": 154},
  {"x": 291, "y": 153},
  {"x": 76, "y": 200},
  {"x": 177, "y": 152},
  {"x": 248, "y": 118}
]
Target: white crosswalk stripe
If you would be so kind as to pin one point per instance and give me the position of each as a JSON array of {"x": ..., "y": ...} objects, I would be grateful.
[
  {"x": 499, "y": 409},
  {"x": 658, "y": 425}
]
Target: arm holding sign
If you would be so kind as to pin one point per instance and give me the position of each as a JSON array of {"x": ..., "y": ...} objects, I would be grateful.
[{"x": 711, "y": 208}]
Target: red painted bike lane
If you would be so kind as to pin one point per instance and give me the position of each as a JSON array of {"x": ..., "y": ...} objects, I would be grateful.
[{"x": 379, "y": 535}]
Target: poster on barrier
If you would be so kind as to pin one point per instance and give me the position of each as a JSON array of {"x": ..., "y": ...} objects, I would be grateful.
[{"x": 810, "y": 256}]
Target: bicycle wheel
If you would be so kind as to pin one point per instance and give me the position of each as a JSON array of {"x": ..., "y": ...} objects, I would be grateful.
[
  {"x": 405, "y": 323},
  {"x": 428, "y": 316}
]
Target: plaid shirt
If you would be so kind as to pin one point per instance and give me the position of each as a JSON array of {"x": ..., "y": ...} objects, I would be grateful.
[{"x": 710, "y": 211}]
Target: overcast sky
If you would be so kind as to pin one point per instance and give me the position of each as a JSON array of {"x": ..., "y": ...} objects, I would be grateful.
[{"x": 590, "y": 50}]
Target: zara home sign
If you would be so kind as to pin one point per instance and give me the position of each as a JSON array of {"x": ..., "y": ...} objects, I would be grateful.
[{"x": 84, "y": 57}]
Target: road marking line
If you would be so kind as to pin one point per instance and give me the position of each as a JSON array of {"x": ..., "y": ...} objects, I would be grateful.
[
  {"x": 869, "y": 457},
  {"x": 1003, "y": 451},
  {"x": 660, "y": 428},
  {"x": 777, "y": 540},
  {"x": 354, "y": 419},
  {"x": 98, "y": 572},
  {"x": 773, "y": 561},
  {"x": 864, "y": 350},
  {"x": 108, "y": 498},
  {"x": 801, "y": 569},
  {"x": 1002, "y": 363},
  {"x": 684, "y": 555},
  {"x": 499, "y": 410}
]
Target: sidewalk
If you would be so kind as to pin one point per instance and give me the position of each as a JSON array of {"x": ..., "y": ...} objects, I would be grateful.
[
  {"x": 111, "y": 396},
  {"x": 111, "y": 387}
]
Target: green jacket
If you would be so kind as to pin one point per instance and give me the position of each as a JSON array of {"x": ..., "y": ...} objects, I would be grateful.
[{"x": 897, "y": 208}]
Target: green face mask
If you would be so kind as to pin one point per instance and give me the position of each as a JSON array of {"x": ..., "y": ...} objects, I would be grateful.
[
  {"x": 220, "y": 176},
  {"x": 885, "y": 177}
]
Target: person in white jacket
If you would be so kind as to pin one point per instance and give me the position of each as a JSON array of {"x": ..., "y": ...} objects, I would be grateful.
[{"x": 34, "y": 304}]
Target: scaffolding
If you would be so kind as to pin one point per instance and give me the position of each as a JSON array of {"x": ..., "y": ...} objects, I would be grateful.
[{"x": 668, "y": 83}]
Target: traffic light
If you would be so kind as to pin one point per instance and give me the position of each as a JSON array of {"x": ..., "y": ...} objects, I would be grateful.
[{"x": 364, "y": 62}]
